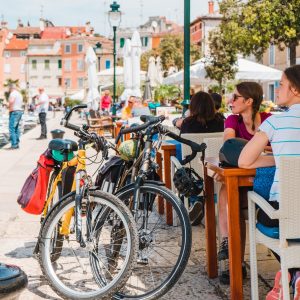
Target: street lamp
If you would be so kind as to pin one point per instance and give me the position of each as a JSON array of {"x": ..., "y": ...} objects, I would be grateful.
[
  {"x": 186, "y": 86},
  {"x": 114, "y": 18},
  {"x": 99, "y": 51}
]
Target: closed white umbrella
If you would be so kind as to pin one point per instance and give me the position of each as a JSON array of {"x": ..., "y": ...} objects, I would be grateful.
[
  {"x": 127, "y": 71},
  {"x": 93, "y": 96},
  {"x": 152, "y": 72},
  {"x": 159, "y": 70},
  {"x": 136, "y": 51}
]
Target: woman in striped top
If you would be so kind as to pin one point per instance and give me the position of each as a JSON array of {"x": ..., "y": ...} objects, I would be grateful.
[{"x": 283, "y": 132}]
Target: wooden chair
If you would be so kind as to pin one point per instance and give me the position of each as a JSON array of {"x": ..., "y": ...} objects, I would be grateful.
[{"x": 100, "y": 124}]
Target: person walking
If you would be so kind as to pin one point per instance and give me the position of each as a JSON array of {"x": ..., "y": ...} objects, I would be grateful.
[
  {"x": 15, "y": 102},
  {"x": 42, "y": 108}
]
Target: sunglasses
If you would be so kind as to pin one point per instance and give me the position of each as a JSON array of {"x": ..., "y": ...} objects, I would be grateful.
[{"x": 235, "y": 97}]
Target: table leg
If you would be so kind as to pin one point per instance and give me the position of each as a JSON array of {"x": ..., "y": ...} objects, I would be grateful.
[
  {"x": 210, "y": 227},
  {"x": 234, "y": 235},
  {"x": 161, "y": 208},
  {"x": 167, "y": 172}
]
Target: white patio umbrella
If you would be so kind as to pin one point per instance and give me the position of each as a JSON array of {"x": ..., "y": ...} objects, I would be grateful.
[
  {"x": 247, "y": 70},
  {"x": 127, "y": 70},
  {"x": 136, "y": 51},
  {"x": 159, "y": 70},
  {"x": 93, "y": 96},
  {"x": 152, "y": 72}
]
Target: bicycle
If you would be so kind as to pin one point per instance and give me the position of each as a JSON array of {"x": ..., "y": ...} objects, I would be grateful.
[
  {"x": 80, "y": 217},
  {"x": 160, "y": 262}
]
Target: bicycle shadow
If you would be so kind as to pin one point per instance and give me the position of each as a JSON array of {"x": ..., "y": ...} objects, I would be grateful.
[
  {"x": 36, "y": 284},
  {"x": 22, "y": 252}
]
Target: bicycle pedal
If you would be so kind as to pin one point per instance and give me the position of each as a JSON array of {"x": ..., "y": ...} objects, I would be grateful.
[{"x": 142, "y": 261}]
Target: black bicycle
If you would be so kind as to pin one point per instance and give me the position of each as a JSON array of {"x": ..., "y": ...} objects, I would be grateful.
[{"x": 164, "y": 246}]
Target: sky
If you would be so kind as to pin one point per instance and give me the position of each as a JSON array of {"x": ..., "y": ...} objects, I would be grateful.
[{"x": 77, "y": 12}]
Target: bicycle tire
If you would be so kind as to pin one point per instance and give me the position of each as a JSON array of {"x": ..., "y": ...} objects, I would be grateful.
[
  {"x": 185, "y": 246},
  {"x": 63, "y": 289}
]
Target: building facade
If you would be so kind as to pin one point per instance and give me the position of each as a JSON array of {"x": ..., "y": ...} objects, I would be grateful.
[{"x": 201, "y": 27}]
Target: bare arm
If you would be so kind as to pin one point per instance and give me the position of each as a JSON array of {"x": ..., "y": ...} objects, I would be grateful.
[
  {"x": 251, "y": 157},
  {"x": 229, "y": 133}
]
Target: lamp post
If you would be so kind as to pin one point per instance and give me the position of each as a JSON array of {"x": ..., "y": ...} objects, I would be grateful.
[
  {"x": 186, "y": 71},
  {"x": 114, "y": 18},
  {"x": 99, "y": 51}
]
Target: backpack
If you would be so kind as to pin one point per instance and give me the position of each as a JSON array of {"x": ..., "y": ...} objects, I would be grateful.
[
  {"x": 33, "y": 194},
  {"x": 109, "y": 174}
]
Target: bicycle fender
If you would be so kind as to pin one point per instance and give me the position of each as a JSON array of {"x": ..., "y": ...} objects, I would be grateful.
[{"x": 36, "y": 249}]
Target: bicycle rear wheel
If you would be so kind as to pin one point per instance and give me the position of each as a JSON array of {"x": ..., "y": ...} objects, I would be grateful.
[
  {"x": 71, "y": 275},
  {"x": 164, "y": 249}
]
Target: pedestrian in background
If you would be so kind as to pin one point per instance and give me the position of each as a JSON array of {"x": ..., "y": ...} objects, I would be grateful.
[
  {"x": 15, "y": 102},
  {"x": 42, "y": 108}
]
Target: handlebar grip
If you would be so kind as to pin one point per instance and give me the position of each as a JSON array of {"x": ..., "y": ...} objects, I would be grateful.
[
  {"x": 72, "y": 127},
  {"x": 146, "y": 118},
  {"x": 194, "y": 146},
  {"x": 189, "y": 158},
  {"x": 135, "y": 128}
]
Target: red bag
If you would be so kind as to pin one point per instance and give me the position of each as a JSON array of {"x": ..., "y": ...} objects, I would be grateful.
[{"x": 33, "y": 194}]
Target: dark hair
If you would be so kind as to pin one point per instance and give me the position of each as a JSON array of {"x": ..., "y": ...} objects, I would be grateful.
[
  {"x": 293, "y": 76},
  {"x": 217, "y": 100},
  {"x": 254, "y": 91},
  {"x": 202, "y": 107}
]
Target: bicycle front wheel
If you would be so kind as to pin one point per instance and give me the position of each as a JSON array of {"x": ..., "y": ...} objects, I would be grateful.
[
  {"x": 103, "y": 216},
  {"x": 164, "y": 248}
]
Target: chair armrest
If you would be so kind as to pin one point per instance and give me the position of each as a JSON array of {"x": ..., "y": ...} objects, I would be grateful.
[{"x": 264, "y": 205}]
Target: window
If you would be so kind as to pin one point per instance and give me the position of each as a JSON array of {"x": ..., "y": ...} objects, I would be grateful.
[
  {"x": 59, "y": 64},
  {"x": 59, "y": 81},
  {"x": 33, "y": 64},
  {"x": 80, "y": 83},
  {"x": 272, "y": 55},
  {"x": 145, "y": 41},
  {"x": 22, "y": 53},
  {"x": 107, "y": 64},
  {"x": 122, "y": 42},
  {"x": 271, "y": 92},
  {"x": 67, "y": 82},
  {"x": 68, "y": 64},
  {"x": 80, "y": 48},
  {"x": 47, "y": 64},
  {"x": 80, "y": 65},
  {"x": 7, "y": 54},
  {"x": 6, "y": 68},
  {"x": 22, "y": 68},
  {"x": 67, "y": 48}
]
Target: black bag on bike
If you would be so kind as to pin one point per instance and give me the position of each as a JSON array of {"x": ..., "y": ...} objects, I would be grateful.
[{"x": 109, "y": 174}]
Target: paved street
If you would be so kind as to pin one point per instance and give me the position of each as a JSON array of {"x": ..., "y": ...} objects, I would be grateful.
[{"x": 18, "y": 232}]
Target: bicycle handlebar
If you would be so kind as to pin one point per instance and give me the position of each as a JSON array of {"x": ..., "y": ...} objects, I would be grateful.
[
  {"x": 65, "y": 120},
  {"x": 150, "y": 120}
]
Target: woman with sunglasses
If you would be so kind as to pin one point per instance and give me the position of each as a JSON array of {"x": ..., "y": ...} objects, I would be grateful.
[{"x": 244, "y": 123}]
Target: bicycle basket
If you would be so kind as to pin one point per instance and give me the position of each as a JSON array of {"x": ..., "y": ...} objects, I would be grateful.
[{"x": 187, "y": 182}]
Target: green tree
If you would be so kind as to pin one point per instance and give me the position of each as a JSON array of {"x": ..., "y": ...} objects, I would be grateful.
[
  {"x": 219, "y": 65},
  {"x": 165, "y": 93},
  {"x": 254, "y": 24},
  {"x": 171, "y": 52}
]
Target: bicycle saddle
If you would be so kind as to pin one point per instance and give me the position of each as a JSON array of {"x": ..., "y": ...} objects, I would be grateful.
[{"x": 63, "y": 145}]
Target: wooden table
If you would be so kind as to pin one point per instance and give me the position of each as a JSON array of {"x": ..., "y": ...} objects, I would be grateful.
[
  {"x": 233, "y": 178},
  {"x": 163, "y": 159}
]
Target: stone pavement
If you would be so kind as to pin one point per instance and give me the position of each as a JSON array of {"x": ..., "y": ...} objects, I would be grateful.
[{"x": 18, "y": 232}]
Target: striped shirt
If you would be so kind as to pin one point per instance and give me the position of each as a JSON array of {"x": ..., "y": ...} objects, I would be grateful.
[{"x": 283, "y": 132}]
